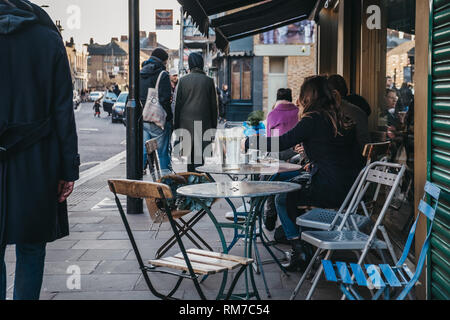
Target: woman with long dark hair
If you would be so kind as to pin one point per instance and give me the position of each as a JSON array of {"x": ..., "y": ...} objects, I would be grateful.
[{"x": 329, "y": 140}]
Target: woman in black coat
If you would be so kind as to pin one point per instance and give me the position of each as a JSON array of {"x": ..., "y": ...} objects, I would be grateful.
[
  {"x": 39, "y": 159},
  {"x": 329, "y": 141}
]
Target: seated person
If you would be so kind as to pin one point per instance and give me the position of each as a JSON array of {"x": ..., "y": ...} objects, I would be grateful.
[
  {"x": 360, "y": 102},
  {"x": 328, "y": 139},
  {"x": 359, "y": 117},
  {"x": 280, "y": 120},
  {"x": 394, "y": 125}
]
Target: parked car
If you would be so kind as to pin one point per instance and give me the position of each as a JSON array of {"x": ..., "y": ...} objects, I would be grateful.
[
  {"x": 118, "y": 109},
  {"x": 95, "y": 95},
  {"x": 76, "y": 99},
  {"x": 109, "y": 99}
]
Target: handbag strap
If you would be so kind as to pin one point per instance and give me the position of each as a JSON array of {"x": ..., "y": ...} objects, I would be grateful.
[{"x": 157, "y": 81}]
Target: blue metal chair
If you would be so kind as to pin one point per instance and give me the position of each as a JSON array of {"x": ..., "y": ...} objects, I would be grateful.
[{"x": 384, "y": 277}]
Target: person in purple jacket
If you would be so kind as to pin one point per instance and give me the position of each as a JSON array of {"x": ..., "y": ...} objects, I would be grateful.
[
  {"x": 284, "y": 116},
  {"x": 280, "y": 120}
]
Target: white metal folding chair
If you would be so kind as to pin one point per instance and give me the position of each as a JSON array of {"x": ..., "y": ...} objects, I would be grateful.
[
  {"x": 323, "y": 219},
  {"x": 355, "y": 240}
]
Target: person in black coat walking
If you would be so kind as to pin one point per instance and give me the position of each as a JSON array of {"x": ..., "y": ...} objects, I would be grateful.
[
  {"x": 39, "y": 159},
  {"x": 196, "y": 110}
]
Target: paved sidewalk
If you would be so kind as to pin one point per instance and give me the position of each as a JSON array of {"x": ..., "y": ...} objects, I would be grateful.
[{"x": 99, "y": 246}]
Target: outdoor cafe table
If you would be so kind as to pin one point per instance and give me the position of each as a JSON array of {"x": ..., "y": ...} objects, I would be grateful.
[
  {"x": 257, "y": 191},
  {"x": 270, "y": 169},
  {"x": 251, "y": 169}
]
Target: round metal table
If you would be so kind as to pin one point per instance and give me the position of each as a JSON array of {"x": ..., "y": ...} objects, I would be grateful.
[
  {"x": 265, "y": 169},
  {"x": 237, "y": 189},
  {"x": 257, "y": 191}
]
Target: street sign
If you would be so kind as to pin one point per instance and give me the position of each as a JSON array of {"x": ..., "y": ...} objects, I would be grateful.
[{"x": 164, "y": 19}]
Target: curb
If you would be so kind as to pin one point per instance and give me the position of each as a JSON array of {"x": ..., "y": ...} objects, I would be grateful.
[{"x": 106, "y": 165}]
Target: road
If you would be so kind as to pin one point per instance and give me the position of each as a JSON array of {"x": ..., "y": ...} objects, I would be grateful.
[{"x": 98, "y": 138}]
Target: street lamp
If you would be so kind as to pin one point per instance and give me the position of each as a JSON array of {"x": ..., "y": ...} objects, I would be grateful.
[{"x": 134, "y": 108}]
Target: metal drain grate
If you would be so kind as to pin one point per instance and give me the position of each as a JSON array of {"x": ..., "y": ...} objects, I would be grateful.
[{"x": 94, "y": 185}]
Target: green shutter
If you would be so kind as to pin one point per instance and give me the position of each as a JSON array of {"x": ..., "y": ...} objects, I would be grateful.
[{"x": 439, "y": 157}]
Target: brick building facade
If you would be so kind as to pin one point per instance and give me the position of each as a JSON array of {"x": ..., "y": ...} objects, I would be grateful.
[
  {"x": 399, "y": 61},
  {"x": 297, "y": 69},
  {"x": 77, "y": 56}
]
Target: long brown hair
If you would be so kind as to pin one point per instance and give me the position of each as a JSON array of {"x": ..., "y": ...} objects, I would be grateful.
[{"x": 316, "y": 96}]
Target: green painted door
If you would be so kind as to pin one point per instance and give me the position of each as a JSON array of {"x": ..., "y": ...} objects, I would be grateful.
[{"x": 438, "y": 279}]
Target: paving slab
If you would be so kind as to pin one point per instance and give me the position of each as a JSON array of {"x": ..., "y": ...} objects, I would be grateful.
[
  {"x": 102, "y": 295},
  {"x": 118, "y": 267},
  {"x": 64, "y": 255},
  {"x": 61, "y": 244},
  {"x": 99, "y": 254},
  {"x": 110, "y": 282},
  {"x": 122, "y": 235},
  {"x": 84, "y": 235},
  {"x": 61, "y": 267}
]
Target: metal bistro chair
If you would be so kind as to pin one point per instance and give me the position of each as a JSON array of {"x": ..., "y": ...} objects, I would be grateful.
[
  {"x": 325, "y": 219},
  {"x": 151, "y": 147},
  {"x": 398, "y": 277},
  {"x": 190, "y": 263},
  {"x": 351, "y": 238}
]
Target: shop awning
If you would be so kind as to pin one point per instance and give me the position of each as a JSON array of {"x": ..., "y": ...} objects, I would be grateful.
[{"x": 247, "y": 17}]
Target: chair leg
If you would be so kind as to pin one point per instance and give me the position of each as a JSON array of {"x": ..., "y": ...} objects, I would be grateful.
[
  {"x": 317, "y": 277},
  {"x": 260, "y": 267},
  {"x": 177, "y": 285},
  {"x": 184, "y": 230},
  {"x": 188, "y": 226},
  {"x": 303, "y": 278},
  {"x": 137, "y": 253},
  {"x": 233, "y": 284},
  {"x": 389, "y": 243}
]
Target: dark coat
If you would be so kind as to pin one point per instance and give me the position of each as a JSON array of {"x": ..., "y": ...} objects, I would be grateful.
[
  {"x": 336, "y": 161},
  {"x": 35, "y": 84},
  {"x": 148, "y": 77},
  {"x": 196, "y": 100}
]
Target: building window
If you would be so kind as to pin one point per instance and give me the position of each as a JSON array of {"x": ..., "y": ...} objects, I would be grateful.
[
  {"x": 99, "y": 75},
  {"x": 241, "y": 79}
]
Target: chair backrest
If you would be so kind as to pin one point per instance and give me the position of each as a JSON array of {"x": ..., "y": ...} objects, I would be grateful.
[
  {"x": 153, "y": 158},
  {"x": 376, "y": 173},
  {"x": 375, "y": 151},
  {"x": 428, "y": 211},
  {"x": 140, "y": 189},
  {"x": 155, "y": 209}
]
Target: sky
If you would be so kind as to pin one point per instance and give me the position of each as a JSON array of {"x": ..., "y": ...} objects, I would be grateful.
[{"x": 104, "y": 19}]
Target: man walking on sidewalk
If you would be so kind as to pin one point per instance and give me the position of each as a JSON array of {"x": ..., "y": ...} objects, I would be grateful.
[
  {"x": 152, "y": 69},
  {"x": 196, "y": 108},
  {"x": 39, "y": 160}
]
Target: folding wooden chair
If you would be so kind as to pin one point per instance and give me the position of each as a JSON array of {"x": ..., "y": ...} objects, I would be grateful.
[
  {"x": 185, "y": 227},
  {"x": 353, "y": 239},
  {"x": 391, "y": 278},
  {"x": 191, "y": 263}
]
